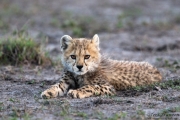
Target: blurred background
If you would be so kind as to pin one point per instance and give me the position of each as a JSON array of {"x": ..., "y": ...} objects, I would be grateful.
[
  {"x": 84, "y": 18},
  {"x": 142, "y": 30}
]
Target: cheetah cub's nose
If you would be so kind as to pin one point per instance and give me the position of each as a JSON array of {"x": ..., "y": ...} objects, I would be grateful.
[{"x": 79, "y": 67}]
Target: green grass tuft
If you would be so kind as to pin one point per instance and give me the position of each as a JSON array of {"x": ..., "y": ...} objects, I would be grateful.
[
  {"x": 81, "y": 114},
  {"x": 20, "y": 49}
]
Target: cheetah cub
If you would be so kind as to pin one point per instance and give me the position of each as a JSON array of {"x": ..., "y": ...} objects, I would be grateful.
[{"x": 87, "y": 73}]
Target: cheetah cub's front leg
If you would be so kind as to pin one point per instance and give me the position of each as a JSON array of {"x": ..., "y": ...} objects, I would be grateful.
[
  {"x": 92, "y": 90},
  {"x": 59, "y": 89}
]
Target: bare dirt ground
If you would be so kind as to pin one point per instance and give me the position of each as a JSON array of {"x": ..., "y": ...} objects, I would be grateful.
[{"x": 140, "y": 30}]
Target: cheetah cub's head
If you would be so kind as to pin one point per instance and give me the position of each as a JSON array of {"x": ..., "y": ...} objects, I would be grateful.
[{"x": 80, "y": 55}]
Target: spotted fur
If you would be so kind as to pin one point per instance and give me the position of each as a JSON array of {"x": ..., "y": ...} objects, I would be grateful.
[{"x": 87, "y": 73}]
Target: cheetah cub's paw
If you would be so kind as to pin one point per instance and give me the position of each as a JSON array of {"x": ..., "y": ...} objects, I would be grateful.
[
  {"x": 79, "y": 94},
  {"x": 49, "y": 93},
  {"x": 75, "y": 94},
  {"x": 72, "y": 93}
]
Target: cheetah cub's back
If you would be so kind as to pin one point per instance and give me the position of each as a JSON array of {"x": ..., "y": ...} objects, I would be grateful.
[{"x": 125, "y": 74}]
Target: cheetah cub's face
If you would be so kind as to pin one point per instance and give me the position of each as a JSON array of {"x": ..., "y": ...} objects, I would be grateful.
[{"x": 80, "y": 55}]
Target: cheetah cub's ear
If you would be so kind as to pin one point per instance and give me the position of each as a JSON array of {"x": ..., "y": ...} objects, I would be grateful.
[
  {"x": 95, "y": 40},
  {"x": 65, "y": 41}
]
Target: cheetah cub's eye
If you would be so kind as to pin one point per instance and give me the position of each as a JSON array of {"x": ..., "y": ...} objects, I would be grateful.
[
  {"x": 73, "y": 56},
  {"x": 86, "y": 56}
]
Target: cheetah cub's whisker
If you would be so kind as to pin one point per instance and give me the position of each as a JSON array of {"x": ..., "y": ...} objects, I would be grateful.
[{"x": 87, "y": 73}]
